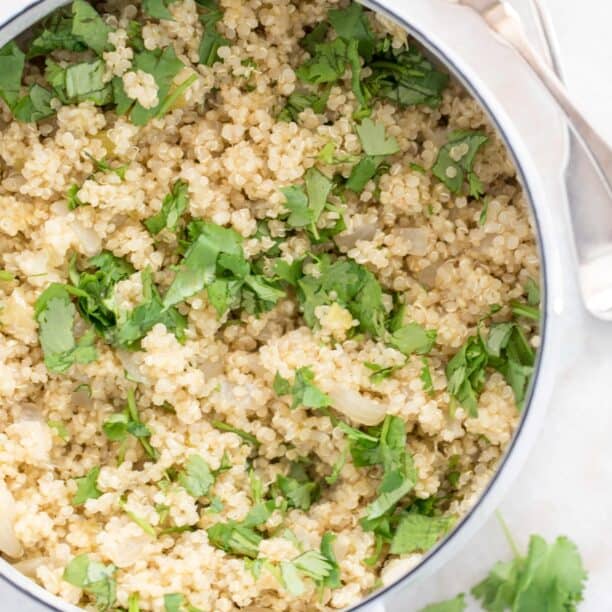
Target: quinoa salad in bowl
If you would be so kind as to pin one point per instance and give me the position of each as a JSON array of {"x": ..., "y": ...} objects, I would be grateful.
[{"x": 269, "y": 304}]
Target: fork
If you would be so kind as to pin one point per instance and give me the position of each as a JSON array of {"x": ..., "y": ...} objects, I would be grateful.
[{"x": 590, "y": 200}]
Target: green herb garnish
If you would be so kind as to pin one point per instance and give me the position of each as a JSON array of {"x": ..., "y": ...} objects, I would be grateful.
[
  {"x": 55, "y": 315},
  {"x": 95, "y": 578},
  {"x": 197, "y": 477},
  {"x": 87, "y": 487},
  {"x": 456, "y": 159}
]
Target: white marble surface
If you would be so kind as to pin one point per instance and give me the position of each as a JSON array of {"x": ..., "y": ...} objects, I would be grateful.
[{"x": 565, "y": 487}]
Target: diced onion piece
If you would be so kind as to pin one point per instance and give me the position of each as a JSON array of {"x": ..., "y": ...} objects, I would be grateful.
[
  {"x": 9, "y": 544},
  {"x": 414, "y": 239},
  {"x": 357, "y": 407}
]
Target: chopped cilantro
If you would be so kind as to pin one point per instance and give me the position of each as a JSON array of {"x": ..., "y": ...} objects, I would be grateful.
[
  {"x": 163, "y": 65},
  {"x": 304, "y": 391},
  {"x": 456, "y": 159},
  {"x": 466, "y": 374},
  {"x": 352, "y": 23},
  {"x": 327, "y": 64},
  {"x": 89, "y": 27},
  {"x": 306, "y": 205},
  {"x": 399, "y": 471},
  {"x": 96, "y": 285},
  {"x": 374, "y": 139},
  {"x": 196, "y": 478},
  {"x": 87, "y": 487},
  {"x": 349, "y": 284},
  {"x": 173, "y": 207},
  {"x": 147, "y": 314},
  {"x": 120, "y": 425},
  {"x": 404, "y": 76},
  {"x": 176, "y": 602},
  {"x": 525, "y": 310},
  {"x": 365, "y": 170},
  {"x": 158, "y": 9},
  {"x": 211, "y": 39},
  {"x": 482, "y": 219},
  {"x": 332, "y": 579},
  {"x": 133, "y": 603},
  {"x": 337, "y": 469},
  {"x": 95, "y": 578},
  {"x": 55, "y": 314},
  {"x": 60, "y": 429},
  {"x": 426, "y": 377},
  {"x": 380, "y": 372},
  {"x": 417, "y": 532},
  {"x": 413, "y": 338},
  {"x": 300, "y": 101},
  {"x": 235, "y": 538},
  {"x": 72, "y": 197},
  {"x": 82, "y": 82},
  {"x": 56, "y": 33},
  {"x": 102, "y": 165},
  {"x": 533, "y": 292},
  {"x": 297, "y": 487},
  {"x": 6, "y": 277},
  {"x": 247, "y": 437}
]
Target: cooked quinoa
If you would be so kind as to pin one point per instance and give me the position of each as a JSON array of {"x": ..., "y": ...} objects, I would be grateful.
[{"x": 266, "y": 324}]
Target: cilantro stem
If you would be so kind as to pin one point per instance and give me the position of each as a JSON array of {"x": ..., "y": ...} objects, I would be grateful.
[
  {"x": 524, "y": 310},
  {"x": 509, "y": 537},
  {"x": 175, "y": 95}
]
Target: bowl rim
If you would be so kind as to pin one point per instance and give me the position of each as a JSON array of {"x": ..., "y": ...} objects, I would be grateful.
[{"x": 530, "y": 183}]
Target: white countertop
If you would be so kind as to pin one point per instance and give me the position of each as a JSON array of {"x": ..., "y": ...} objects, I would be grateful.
[{"x": 566, "y": 485}]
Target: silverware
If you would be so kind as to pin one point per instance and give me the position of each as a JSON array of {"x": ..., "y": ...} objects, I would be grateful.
[{"x": 589, "y": 175}]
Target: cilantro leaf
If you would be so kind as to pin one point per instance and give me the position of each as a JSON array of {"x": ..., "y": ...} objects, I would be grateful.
[
  {"x": 158, "y": 9},
  {"x": 119, "y": 425},
  {"x": 418, "y": 532},
  {"x": 163, "y": 65},
  {"x": 12, "y": 61},
  {"x": 234, "y": 538},
  {"x": 456, "y": 159},
  {"x": 198, "y": 267},
  {"x": 349, "y": 284},
  {"x": 197, "y": 478},
  {"x": 413, "y": 338},
  {"x": 404, "y": 76},
  {"x": 290, "y": 578},
  {"x": 352, "y": 23},
  {"x": 313, "y": 564},
  {"x": 87, "y": 487},
  {"x": 80, "y": 82},
  {"x": 306, "y": 206},
  {"x": 299, "y": 492},
  {"x": 337, "y": 469},
  {"x": 211, "y": 39},
  {"x": 466, "y": 374},
  {"x": 379, "y": 372},
  {"x": 95, "y": 578},
  {"x": 56, "y": 33},
  {"x": 60, "y": 429},
  {"x": 96, "y": 285},
  {"x": 365, "y": 170},
  {"x": 299, "y": 101},
  {"x": 55, "y": 313},
  {"x": 426, "y": 378},
  {"x": 332, "y": 580},
  {"x": 457, "y": 604},
  {"x": 306, "y": 393},
  {"x": 374, "y": 139},
  {"x": 173, "y": 207},
  {"x": 327, "y": 64},
  {"x": 148, "y": 314},
  {"x": 34, "y": 106},
  {"x": 89, "y": 27}
]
